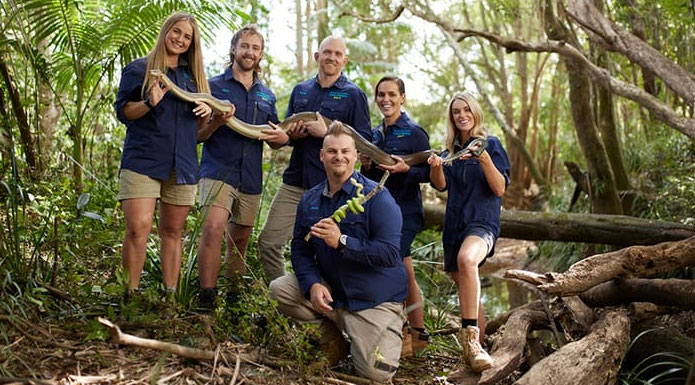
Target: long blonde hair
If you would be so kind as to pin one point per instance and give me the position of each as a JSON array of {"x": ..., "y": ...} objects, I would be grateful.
[
  {"x": 476, "y": 110},
  {"x": 157, "y": 58}
]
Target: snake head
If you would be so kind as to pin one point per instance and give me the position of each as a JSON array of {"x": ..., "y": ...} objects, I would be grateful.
[{"x": 156, "y": 73}]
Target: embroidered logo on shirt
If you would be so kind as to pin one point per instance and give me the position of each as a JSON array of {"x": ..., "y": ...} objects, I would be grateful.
[
  {"x": 263, "y": 96},
  {"x": 226, "y": 90},
  {"x": 313, "y": 207},
  {"x": 401, "y": 133},
  {"x": 337, "y": 95}
]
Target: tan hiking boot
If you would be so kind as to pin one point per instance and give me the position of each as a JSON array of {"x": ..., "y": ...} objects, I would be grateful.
[
  {"x": 473, "y": 353},
  {"x": 407, "y": 344}
]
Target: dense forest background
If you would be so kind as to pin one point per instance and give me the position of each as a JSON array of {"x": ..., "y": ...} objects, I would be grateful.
[{"x": 604, "y": 88}]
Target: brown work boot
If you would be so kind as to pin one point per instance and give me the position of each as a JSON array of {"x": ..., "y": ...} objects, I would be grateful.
[
  {"x": 407, "y": 344},
  {"x": 473, "y": 353},
  {"x": 335, "y": 349},
  {"x": 420, "y": 340}
]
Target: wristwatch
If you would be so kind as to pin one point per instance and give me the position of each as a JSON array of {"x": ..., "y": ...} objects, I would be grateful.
[
  {"x": 146, "y": 100},
  {"x": 342, "y": 242}
]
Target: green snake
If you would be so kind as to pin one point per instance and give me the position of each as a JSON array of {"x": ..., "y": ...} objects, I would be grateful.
[
  {"x": 355, "y": 203},
  {"x": 253, "y": 131}
]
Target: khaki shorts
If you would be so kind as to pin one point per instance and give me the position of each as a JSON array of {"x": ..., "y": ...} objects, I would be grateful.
[
  {"x": 134, "y": 185},
  {"x": 241, "y": 206}
]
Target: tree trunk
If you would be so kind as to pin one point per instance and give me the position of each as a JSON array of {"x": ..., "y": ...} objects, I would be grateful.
[
  {"x": 322, "y": 31},
  {"x": 299, "y": 38},
  {"x": 605, "y": 192},
  {"x": 593, "y": 360},
  {"x": 572, "y": 227},
  {"x": 22, "y": 121},
  {"x": 6, "y": 139}
]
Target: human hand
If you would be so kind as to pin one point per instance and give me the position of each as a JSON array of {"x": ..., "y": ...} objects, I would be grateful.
[
  {"x": 434, "y": 161},
  {"x": 317, "y": 128},
  {"x": 157, "y": 91},
  {"x": 297, "y": 131},
  {"x": 202, "y": 109},
  {"x": 400, "y": 165},
  {"x": 327, "y": 230},
  {"x": 320, "y": 298},
  {"x": 277, "y": 136},
  {"x": 219, "y": 119}
]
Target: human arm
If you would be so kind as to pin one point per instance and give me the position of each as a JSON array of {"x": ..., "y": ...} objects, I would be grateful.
[
  {"x": 276, "y": 137},
  {"x": 216, "y": 122},
  {"x": 437, "y": 172},
  {"x": 384, "y": 221}
]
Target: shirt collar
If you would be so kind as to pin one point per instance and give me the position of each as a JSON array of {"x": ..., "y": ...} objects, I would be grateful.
[
  {"x": 340, "y": 82},
  {"x": 347, "y": 188},
  {"x": 229, "y": 76}
]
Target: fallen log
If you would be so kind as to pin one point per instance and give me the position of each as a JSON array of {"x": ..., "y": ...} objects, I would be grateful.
[
  {"x": 665, "y": 292},
  {"x": 635, "y": 261},
  {"x": 508, "y": 351},
  {"x": 618, "y": 230},
  {"x": 593, "y": 360},
  {"x": 494, "y": 324},
  {"x": 573, "y": 315},
  {"x": 121, "y": 338}
]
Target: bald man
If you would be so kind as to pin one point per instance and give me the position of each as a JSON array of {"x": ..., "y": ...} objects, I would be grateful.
[{"x": 335, "y": 97}]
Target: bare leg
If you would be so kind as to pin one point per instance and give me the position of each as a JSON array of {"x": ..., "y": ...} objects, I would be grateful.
[
  {"x": 413, "y": 302},
  {"x": 138, "y": 223},
  {"x": 237, "y": 240},
  {"x": 210, "y": 250},
  {"x": 473, "y": 250},
  {"x": 171, "y": 222}
]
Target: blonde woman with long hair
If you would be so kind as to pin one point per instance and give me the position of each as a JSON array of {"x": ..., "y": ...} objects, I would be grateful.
[
  {"x": 159, "y": 160},
  {"x": 472, "y": 219}
]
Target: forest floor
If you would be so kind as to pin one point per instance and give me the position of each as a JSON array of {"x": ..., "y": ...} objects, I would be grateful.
[{"x": 53, "y": 352}]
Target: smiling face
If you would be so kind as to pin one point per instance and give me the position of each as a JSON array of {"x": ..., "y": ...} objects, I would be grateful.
[
  {"x": 179, "y": 37},
  {"x": 463, "y": 118},
  {"x": 339, "y": 155},
  {"x": 389, "y": 99},
  {"x": 331, "y": 56},
  {"x": 248, "y": 51}
]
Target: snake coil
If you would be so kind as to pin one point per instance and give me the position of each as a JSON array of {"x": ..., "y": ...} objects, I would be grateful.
[{"x": 353, "y": 204}]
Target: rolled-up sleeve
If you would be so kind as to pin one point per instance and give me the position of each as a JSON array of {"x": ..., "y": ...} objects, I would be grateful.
[{"x": 129, "y": 89}]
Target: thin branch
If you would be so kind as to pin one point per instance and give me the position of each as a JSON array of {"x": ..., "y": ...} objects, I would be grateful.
[
  {"x": 661, "y": 110},
  {"x": 378, "y": 20}
]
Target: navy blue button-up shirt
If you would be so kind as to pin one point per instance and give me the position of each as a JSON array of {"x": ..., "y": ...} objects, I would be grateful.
[
  {"x": 342, "y": 101},
  {"x": 369, "y": 271},
  {"x": 232, "y": 157},
  {"x": 402, "y": 138},
  {"x": 166, "y": 137},
  {"x": 471, "y": 202}
]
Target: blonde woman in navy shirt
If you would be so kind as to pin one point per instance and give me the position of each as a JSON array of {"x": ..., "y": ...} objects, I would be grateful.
[
  {"x": 399, "y": 135},
  {"x": 472, "y": 219},
  {"x": 159, "y": 160}
]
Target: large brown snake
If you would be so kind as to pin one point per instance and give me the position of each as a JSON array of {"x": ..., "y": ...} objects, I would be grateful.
[{"x": 253, "y": 131}]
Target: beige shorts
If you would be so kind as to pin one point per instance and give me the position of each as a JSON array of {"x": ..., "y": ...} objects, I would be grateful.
[
  {"x": 241, "y": 206},
  {"x": 134, "y": 185}
]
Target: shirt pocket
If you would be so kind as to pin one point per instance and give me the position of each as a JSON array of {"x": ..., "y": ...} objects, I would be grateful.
[
  {"x": 300, "y": 105},
  {"x": 265, "y": 110},
  {"x": 335, "y": 110},
  {"x": 355, "y": 225}
]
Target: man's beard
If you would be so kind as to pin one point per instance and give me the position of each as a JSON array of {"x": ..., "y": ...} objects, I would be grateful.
[{"x": 242, "y": 63}]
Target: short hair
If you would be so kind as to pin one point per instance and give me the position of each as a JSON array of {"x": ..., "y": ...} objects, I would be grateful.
[
  {"x": 248, "y": 29},
  {"x": 338, "y": 129},
  {"x": 395, "y": 79}
]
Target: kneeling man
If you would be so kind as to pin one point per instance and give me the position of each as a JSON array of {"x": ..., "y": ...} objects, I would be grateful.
[{"x": 348, "y": 277}]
